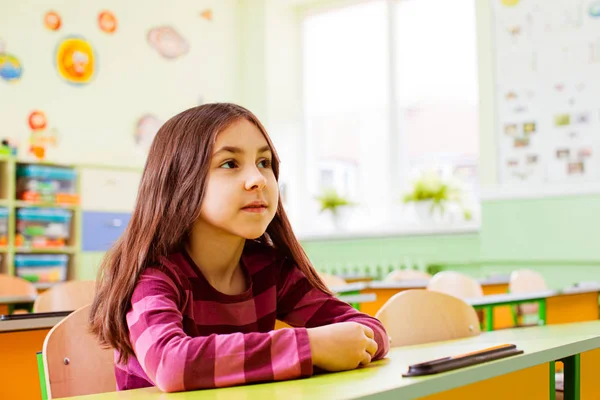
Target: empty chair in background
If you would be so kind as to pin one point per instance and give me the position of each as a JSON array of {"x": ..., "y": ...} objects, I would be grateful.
[
  {"x": 15, "y": 286},
  {"x": 455, "y": 284},
  {"x": 526, "y": 281},
  {"x": 74, "y": 362},
  {"x": 66, "y": 296},
  {"x": 423, "y": 316},
  {"x": 406, "y": 275}
]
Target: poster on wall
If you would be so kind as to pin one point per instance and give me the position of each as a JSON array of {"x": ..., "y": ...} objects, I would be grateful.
[{"x": 547, "y": 113}]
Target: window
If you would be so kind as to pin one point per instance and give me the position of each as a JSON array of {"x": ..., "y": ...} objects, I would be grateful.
[
  {"x": 436, "y": 85},
  {"x": 390, "y": 89}
]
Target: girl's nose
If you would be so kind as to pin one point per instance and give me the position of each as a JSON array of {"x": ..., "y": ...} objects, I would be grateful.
[{"x": 256, "y": 180}]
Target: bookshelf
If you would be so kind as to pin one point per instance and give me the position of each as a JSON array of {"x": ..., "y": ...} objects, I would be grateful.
[{"x": 8, "y": 200}]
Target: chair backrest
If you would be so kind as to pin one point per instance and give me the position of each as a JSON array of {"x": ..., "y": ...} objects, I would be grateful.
[
  {"x": 15, "y": 286},
  {"x": 526, "y": 281},
  {"x": 423, "y": 316},
  {"x": 74, "y": 362},
  {"x": 455, "y": 284},
  {"x": 406, "y": 275},
  {"x": 332, "y": 280},
  {"x": 66, "y": 296}
]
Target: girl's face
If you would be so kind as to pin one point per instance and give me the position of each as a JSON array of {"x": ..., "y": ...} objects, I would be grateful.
[{"x": 242, "y": 193}]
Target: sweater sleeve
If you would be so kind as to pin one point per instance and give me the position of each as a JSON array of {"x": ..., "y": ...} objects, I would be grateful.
[
  {"x": 175, "y": 361},
  {"x": 301, "y": 304}
]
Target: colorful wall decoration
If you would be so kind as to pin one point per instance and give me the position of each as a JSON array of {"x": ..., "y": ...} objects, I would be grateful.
[
  {"x": 40, "y": 137},
  {"x": 167, "y": 42},
  {"x": 52, "y": 21},
  {"x": 10, "y": 66},
  {"x": 75, "y": 60},
  {"x": 207, "y": 14},
  {"x": 107, "y": 22},
  {"x": 146, "y": 128}
]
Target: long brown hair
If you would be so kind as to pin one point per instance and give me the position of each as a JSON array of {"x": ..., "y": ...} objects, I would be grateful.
[{"x": 168, "y": 203}]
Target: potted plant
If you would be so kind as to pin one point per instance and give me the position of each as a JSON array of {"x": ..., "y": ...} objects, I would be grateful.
[
  {"x": 431, "y": 194},
  {"x": 337, "y": 205}
]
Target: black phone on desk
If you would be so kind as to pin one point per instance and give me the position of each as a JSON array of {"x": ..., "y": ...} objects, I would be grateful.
[{"x": 462, "y": 360}]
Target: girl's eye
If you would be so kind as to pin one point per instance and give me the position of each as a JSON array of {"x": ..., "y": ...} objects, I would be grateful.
[
  {"x": 228, "y": 164},
  {"x": 265, "y": 163}
]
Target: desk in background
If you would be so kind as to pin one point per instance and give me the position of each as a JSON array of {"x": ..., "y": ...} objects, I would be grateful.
[
  {"x": 527, "y": 376},
  {"x": 19, "y": 341},
  {"x": 575, "y": 304},
  {"x": 385, "y": 290},
  {"x": 7, "y": 302}
]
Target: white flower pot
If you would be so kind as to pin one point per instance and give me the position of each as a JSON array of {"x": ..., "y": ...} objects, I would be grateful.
[
  {"x": 427, "y": 213},
  {"x": 341, "y": 217}
]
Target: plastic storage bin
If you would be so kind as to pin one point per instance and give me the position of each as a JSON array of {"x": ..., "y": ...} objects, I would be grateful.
[
  {"x": 47, "y": 268},
  {"x": 3, "y": 226},
  {"x": 40, "y": 183},
  {"x": 43, "y": 227}
]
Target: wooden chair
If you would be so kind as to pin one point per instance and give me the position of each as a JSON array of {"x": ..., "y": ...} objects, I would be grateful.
[
  {"x": 406, "y": 275},
  {"x": 332, "y": 280},
  {"x": 15, "y": 286},
  {"x": 423, "y": 316},
  {"x": 455, "y": 284},
  {"x": 74, "y": 362},
  {"x": 526, "y": 281},
  {"x": 66, "y": 296}
]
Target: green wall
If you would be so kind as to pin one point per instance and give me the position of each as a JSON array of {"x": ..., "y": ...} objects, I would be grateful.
[
  {"x": 558, "y": 237},
  {"x": 375, "y": 256}
]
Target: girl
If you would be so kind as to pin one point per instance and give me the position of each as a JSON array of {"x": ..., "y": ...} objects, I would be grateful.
[{"x": 189, "y": 295}]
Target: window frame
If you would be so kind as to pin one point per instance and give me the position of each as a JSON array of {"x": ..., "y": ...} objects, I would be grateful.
[{"x": 399, "y": 167}]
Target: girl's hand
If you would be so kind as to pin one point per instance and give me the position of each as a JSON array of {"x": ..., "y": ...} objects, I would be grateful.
[{"x": 341, "y": 346}]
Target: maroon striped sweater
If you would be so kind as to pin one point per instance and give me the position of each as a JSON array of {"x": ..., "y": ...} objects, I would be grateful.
[{"x": 187, "y": 335}]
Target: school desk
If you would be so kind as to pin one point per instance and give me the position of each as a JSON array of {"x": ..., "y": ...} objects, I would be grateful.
[
  {"x": 385, "y": 290},
  {"x": 528, "y": 376},
  {"x": 19, "y": 342},
  {"x": 573, "y": 304},
  {"x": 488, "y": 303},
  {"x": 7, "y": 302},
  {"x": 351, "y": 294}
]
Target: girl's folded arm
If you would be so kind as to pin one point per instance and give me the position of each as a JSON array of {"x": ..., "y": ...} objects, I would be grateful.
[
  {"x": 301, "y": 304},
  {"x": 175, "y": 361}
]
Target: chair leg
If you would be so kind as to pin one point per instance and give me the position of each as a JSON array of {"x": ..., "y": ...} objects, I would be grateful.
[
  {"x": 572, "y": 377},
  {"x": 515, "y": 315},
  {"x": 41, "y": 375}
]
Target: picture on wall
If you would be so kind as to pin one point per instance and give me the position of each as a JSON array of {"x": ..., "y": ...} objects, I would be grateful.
[
  {"x": 523, "y": 167},
  {"x": 75, "y": 60}
]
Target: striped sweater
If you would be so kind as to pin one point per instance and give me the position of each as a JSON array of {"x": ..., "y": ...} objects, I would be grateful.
[{"x": 187, "y": 335}]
